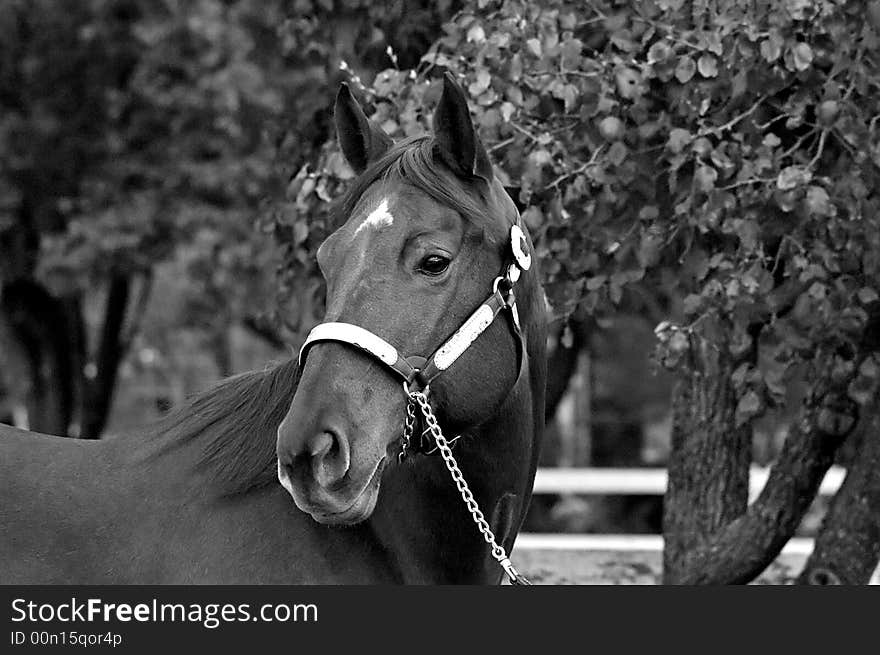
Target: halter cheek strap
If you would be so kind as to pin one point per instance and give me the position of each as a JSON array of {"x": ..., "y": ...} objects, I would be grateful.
[{"x": 421, "y": 371}]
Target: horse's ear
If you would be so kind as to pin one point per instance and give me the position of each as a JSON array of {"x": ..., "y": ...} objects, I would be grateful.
[
  {"x": 457, "y": 142},
  {"x": 362, "y": 141}
]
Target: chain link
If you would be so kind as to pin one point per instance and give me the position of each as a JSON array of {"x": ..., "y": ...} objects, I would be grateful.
[
  {"x": 417, "y": 398},
  {"x": 408, "y": 428}
]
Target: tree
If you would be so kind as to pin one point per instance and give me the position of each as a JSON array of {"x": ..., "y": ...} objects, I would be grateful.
[
  {"x": 132, "y": 131},
  {"x": 721, "y": 156}
]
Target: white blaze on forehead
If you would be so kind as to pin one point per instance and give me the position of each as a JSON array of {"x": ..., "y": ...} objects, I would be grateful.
[{"x": 378, "y": 218}]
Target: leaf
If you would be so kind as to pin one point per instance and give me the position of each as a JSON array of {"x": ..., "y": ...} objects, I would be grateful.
[
  {"x": 507, "y": 110},
  {"x": 649, "y": 213},
  {"x": 818, "y": 202},
  {"x": 679, "y": 342},
  {"x": 678, "y": 139},
  {"x": 338, "y": 167},
  {"x": 534, "y": 46},
  {"x": 708, "y": 66},
  {"x": 540, "y": 157},
  {"x": 792, "y": 177},
  {"x": 516, "y": 67},
  {"x": 629, "y": 83},
  {"x": 650, "y": 247},
  {"x": 571, "y": 53},
  {"x": 862, "y": 389},
  {"x": 685, "y": 69},
  {"x": 533, "y": 218},
  {"x": 705, "y": 177},
  {"x": 658, "y": 52},
  {"x": 771, "y": 48},
  {"x": 595, "y": 282},
  {"x": 713, "y": 43},
  {"x": 869, "y": 368},
  {"x": 867, "y": 295},
  {"x": 484, "y": 79},
  {"x": 692, "y": 303},
  {"x": 570, "y": 96},
  {"x": 740, "y": 84},
  {"x": 476, "y": 34},
  {"x": 817, "y": 290},
  {"x": 300, "y": 231},
  {"x": 617, "y": 153},
  {"x": 490, "y": 119},
  {"x": 802, "y": 56},
  {"x": 797, "y": 8}
]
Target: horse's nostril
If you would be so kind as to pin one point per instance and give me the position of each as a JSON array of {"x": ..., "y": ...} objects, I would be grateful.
[
  {"x": 323, "y": 444},
  {"x": 321, "y": 458},
  {"x": 330, "y": 458}
]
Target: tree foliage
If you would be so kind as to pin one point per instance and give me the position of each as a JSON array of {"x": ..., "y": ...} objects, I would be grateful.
[{"x": 131, "y": 131}]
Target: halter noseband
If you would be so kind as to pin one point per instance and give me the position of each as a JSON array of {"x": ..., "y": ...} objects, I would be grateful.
[{"x": 416, "y": 371}]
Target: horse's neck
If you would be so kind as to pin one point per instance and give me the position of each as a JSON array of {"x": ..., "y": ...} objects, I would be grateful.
[{"x": 423, "y": 521}]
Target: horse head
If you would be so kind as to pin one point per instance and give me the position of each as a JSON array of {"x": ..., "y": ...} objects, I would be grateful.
[{"x": 429, "y": 234}]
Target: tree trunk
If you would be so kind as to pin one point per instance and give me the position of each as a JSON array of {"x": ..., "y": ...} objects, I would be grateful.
[
  {"x": 99, "y": 386},
  {"x": 848, "y": 544},
  {"x": 708, "y": 466},
  {"x": 38, "y": 322},
  {"x": 562, "y": 361},
  {"x": 712, "y": 536}
]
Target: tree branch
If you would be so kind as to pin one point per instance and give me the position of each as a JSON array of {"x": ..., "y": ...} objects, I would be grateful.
[
  {"x": 139, "y": 310},
  {"x": 577, "y": 171},
  {"x": 733, "y": 121},
  {"x": 562, "y": 362}
]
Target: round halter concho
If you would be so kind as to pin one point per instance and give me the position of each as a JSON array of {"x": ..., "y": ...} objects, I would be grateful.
[{"x": 417, "y": 373}]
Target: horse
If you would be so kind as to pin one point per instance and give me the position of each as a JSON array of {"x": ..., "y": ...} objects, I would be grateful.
[{"x": 299, "y": 473}]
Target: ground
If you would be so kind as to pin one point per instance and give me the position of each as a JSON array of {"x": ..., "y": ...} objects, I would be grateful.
[{"x": 554, "y": 567}]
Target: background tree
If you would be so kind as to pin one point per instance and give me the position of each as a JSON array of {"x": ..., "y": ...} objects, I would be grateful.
[{"x": 129, "y": 129}]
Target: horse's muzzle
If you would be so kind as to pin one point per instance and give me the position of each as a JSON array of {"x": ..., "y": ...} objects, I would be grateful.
[{"x": 330, "y": 500}]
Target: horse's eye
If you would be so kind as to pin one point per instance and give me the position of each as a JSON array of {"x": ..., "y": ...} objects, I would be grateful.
[{"x": 433, "y": 265}]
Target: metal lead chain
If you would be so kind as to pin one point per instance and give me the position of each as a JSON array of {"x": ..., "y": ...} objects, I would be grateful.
[
  {"x": 498, "y": 552},
  {"x": 408, "y": 427}
]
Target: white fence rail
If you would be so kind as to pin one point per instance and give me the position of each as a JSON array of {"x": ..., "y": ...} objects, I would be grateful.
[
  {"x": 640, "y": 481},
  {"x": 635, "y": 481},
  {"x": 648, "y": 481}
]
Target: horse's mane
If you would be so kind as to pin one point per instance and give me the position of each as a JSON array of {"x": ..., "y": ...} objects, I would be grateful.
[{"x": 235, "y": 422}]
